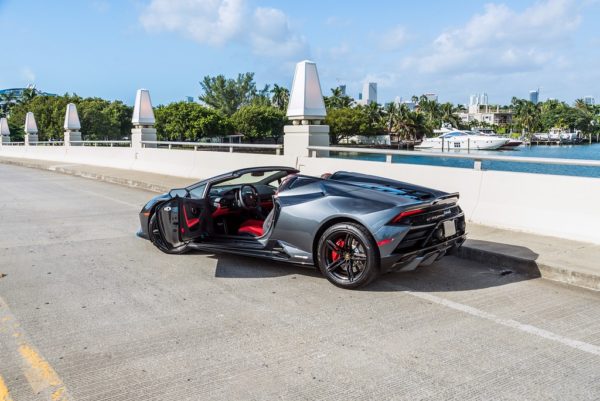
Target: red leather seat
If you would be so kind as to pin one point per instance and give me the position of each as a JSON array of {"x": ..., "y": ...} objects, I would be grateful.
[{"x": 252, "y": 227}]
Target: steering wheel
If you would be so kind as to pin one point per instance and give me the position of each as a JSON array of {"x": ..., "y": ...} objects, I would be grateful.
[{"x": 248, "y": 196}]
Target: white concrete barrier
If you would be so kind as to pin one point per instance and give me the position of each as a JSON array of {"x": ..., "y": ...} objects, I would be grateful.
[{"x": 559, "y": 206}]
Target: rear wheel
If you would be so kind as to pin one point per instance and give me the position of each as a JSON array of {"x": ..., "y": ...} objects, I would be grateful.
[
  {"x": 347, "y": 255},
  {"x": 157, "y": 239}
]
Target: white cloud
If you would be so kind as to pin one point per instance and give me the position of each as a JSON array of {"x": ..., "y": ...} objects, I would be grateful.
[
  {"x": 394, "y": 39},
  {"x": 28, "y": 75},
  {"x": 502, "y": 40},
  {"x": 217, "y": 22}
]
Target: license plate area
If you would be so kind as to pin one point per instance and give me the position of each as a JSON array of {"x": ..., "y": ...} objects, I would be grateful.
[{"x": 449, "y": 228}]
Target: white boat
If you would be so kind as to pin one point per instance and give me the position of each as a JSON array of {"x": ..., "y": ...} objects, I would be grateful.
[
  {"x": 512, "y": 143},
  {"x": 557, "y": 135},
  {"x": 457, "y": 139}
]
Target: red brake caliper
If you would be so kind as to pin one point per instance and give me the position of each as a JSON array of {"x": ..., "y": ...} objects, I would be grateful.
[{"x": 334, "y": 255}]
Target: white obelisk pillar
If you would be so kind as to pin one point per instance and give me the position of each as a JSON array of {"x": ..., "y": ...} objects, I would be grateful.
[
  {"x": 143, "y": 121},
  {"x": 4, "y": 131},
  {"x": 72, "y": 126},
  {"x": 30, "y": 129},
  {"x": 306, "y": 110}
]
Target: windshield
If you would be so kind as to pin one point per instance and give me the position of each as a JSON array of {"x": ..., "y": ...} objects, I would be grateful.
[
  {"x": 271, "y": 178},
  {"x": 453, "y": 134}
]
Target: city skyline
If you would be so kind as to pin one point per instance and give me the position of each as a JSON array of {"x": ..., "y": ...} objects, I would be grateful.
[{"x": 109, "y": 49}]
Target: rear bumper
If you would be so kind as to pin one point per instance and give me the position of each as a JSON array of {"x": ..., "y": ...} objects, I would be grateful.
[{"x": 425, "y": 256}]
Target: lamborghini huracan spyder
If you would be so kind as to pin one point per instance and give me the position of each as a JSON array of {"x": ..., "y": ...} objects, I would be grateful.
[{"x": 351, "y": 226}]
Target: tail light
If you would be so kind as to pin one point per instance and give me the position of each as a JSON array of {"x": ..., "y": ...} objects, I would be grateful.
[{"x": 407, "y": 213}]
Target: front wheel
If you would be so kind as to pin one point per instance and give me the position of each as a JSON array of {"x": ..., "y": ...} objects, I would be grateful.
[
  {"x": 347, "y": 255},
  {"x": 157, "y": 239}
]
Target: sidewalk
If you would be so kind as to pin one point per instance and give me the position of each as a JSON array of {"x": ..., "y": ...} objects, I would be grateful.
[{"x": 572, "y": 262}]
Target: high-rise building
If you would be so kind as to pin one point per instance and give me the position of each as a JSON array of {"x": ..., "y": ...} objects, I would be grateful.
[
  {"x": 477, "y": 100},
  {"x": 342, "y": 89},
  {"x": 534, "y": 96},
  {"x": 369, "y": 92},
  {"x": 589, "y": 100}
]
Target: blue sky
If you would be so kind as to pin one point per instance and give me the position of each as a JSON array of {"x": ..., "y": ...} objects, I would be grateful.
[{"x": 110, "y": 48}]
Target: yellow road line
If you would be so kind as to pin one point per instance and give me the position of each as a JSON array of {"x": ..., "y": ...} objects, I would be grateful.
[
  {"x": 40, "y": 375},
  {"x": 4, "y": 394},
  {"x": 38, "y": 372}
]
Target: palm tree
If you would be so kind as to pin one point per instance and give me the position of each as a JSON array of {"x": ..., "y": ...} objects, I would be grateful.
[
  {"x": 390, "y": 112},
  {"x": 527, "y": 114},
  {"x": 431, "y": 109},
  {"x": 281, "y": 97},
  {"x": 28, "y": 94},
  {"x": 337, "y": 100},
  {"x": 582, "y": 105},
  {"x": 448, "y": 114},
  {"x": 409, "y": 124},
  {"x": 7, "y": 100}
]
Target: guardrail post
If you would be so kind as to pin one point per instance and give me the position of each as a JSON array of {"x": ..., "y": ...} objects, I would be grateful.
[
  {"x": 477, "y": 165},
  {"x": 231, "y": 149},
  {"x": 388, "y": 158},
  {"x": 278, "y": 151}
]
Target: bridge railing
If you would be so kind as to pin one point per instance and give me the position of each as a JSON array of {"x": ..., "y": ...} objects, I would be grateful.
[
  {"x": 477, "y": 158},
  {"x": 102, "y": 143},
  {"x": 47, "y": 143},
  {"x": 230, "y": 147}
]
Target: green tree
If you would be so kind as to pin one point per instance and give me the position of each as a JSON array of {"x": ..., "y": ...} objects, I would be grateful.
[
  {"x": 411, "y": 125},
  {"x": 431, "y": 110},
  {"x": 100, "y": 119},
  {"x": 449, "y": 114},
  {"x": 527, "y": 115},
  {"x": 281, "y": 97},
  {"x": 259, "y": 122},
  {"x": 390, "y": 115},
  {"x": 228, "y": 95},
  {"x": 346, "y": 122},
  {"x": 375, "y": 116},
  {"x": 337, "y": 100},
  {"x": 186, "y": 121}
]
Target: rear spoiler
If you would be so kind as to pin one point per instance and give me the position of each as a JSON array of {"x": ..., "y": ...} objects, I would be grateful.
[{"x": 446, "y": 199}]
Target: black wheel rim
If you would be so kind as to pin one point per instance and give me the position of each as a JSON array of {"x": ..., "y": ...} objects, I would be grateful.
[{"x": 345, "y": 257}]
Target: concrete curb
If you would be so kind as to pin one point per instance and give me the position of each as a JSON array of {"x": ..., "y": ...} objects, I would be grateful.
[
  {"x": 469, "y": 251},
  {"x": 529, "y": 267}
]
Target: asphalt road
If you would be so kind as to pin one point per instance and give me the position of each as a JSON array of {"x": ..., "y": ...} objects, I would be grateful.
[{"x": 90, "y": 312}]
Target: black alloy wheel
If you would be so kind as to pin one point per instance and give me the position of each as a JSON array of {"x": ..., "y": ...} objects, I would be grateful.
[{"x": 347, "y": 255}]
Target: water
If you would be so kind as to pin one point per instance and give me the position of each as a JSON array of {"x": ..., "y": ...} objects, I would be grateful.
[{"x": 587, "y": 152}]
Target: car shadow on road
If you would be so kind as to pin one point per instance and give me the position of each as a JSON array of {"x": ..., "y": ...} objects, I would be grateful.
[{"x": 471, "y": 271}]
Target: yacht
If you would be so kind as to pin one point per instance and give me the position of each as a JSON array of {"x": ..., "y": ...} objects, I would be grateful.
[
  {"x": 512, "y": 143},
  {"x": 457, "y": 139}
]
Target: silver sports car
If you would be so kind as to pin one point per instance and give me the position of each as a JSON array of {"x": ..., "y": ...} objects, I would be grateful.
[{"x": 351, "y": 226}]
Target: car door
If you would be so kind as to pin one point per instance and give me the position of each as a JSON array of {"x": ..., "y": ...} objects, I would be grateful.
[{"x": 184, "y": 219}]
